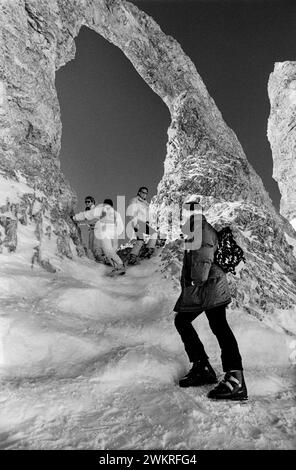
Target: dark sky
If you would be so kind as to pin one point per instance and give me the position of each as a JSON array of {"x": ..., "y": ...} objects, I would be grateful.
[{"x": 115, "y": 127}]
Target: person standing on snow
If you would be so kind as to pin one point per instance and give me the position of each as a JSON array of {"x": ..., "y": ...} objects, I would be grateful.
[
  {"x": 205, "y": 288},
  {"x": 90, "y": 204},
  {"x": 138, "y": 212},
  {"x": 107, "y": 229}
]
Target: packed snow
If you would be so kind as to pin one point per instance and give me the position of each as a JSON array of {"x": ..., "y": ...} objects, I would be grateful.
[{"x": 90, "y": 362}]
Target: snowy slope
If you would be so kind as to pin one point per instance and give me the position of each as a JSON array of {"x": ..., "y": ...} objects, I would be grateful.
[{"x": 87, "y": 362}]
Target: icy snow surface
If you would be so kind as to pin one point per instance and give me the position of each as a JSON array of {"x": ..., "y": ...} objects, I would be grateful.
[{"x": 87, "y": 362}]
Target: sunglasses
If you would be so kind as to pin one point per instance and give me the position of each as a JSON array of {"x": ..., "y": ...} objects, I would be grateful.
[
  {"x": 87, "y": 202},
  {"x": 143, "y": 192}
]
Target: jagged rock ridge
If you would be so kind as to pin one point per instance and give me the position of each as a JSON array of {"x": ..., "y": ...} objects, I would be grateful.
[
  {"x": 203, "y": 154},
  {"x": 282, "y": 134}
]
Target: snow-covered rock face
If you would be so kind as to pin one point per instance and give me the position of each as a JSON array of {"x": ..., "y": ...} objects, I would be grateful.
[
  {"x": 282, "y": 133},
  {"x": 203, "y": 155}
]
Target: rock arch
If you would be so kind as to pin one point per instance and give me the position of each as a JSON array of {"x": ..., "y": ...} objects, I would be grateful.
[{"x": 203, "y": 154}]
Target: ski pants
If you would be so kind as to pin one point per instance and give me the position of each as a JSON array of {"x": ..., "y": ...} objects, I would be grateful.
[
  {"x": 230, "y": 355},
  {"x": 144, "y": 229}
]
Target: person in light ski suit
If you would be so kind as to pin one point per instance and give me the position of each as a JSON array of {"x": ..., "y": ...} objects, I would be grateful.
[
  {"x": 205, "y": 288},
  {"x": 138, "y": 214},
  {"x": 108, "y": 228},
  {"x": 92, "y": 247}
]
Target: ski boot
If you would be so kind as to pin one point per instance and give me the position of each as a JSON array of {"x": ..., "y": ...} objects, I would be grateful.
[
  {"x": 107, "y": 261},
  {"x": 232, "y": 387},
  {"x": 201, "y": 373}
]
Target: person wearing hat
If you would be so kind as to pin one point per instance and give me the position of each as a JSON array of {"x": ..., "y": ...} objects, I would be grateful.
[
  {"x": 205, "y": 289},
  {"x": 138, "y": 213}
]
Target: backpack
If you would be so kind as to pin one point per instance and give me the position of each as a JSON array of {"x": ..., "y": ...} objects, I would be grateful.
[{"x": 228, "y": 254}]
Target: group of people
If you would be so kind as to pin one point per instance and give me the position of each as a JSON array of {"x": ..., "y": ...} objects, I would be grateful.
[
  {"x": 204, "y": 287},
  {"x": 106, "y": 226}
]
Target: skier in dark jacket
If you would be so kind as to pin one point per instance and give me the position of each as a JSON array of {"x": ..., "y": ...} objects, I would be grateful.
[{"x": 205, "y": 288}]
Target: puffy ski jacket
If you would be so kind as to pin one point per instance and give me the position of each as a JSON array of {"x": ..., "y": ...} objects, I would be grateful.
[{"x": 204, "y": 284}]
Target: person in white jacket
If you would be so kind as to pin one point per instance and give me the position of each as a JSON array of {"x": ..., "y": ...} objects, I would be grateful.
[
  {"x": 107, "y": 229},
  {"x": 138, "y": 212},
  {"x": 92, "y": 247}
]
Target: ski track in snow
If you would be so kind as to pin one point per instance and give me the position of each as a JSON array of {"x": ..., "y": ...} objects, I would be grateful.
[{"x": 88, "y": 362}]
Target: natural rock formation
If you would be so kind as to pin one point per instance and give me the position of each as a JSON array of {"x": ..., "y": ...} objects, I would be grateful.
[
  {"x": 282, "y": 134},
  {"x": 203, "y": 155}
]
